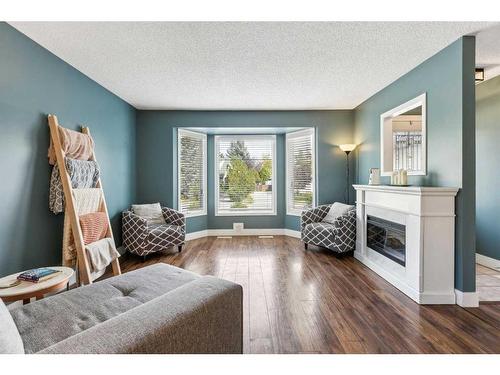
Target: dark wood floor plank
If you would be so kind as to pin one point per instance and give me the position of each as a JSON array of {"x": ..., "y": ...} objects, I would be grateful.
[{"x": 298, "y": 301}]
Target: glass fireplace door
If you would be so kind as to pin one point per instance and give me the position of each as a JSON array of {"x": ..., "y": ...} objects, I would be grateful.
[{"x": 387, "y": 238}]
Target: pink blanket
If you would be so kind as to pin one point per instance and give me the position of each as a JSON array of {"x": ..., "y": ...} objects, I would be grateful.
[{"x": 74, "y": 144}]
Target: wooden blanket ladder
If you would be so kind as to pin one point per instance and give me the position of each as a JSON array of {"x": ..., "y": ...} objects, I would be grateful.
[{"x": 84, "y": 270}]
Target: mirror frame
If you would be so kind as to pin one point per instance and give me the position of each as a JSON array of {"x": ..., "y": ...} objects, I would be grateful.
[{"x": 420, "y": 100}]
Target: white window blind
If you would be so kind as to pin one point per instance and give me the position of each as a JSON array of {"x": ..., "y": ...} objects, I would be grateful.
[
  {"x": 300, "y": 172},
  {"x": 245, "y": 175},
  {"x": 192, "y": 172}
]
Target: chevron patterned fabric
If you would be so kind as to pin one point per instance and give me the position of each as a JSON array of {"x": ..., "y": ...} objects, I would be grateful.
[
  {"x": 339, "y": 236},
  {"x": 142, "y": 239}
]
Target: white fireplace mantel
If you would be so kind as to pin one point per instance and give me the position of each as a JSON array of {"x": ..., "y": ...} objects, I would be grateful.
[{"x": 428, "y": 214}]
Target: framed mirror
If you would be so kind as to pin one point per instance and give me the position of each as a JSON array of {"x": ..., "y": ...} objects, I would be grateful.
[{"x": 403, "y": 142}]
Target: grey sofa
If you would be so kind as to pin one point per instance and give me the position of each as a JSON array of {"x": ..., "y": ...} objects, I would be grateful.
[
  {"x": 156, "y": 309},
  {"x": 339, "y": 236}
]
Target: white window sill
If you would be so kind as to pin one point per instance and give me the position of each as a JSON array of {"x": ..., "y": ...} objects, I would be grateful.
[
  {"x": 195, "y": 214},
  {"x": 245, "y": 213}
]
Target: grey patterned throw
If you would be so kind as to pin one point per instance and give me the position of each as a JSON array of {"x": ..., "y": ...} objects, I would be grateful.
[{"x": 83, "y": 174}]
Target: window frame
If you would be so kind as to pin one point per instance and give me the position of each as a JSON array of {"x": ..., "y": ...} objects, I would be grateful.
[
  {"x": 203, "y": 137},
  {"x": 297, "y": 134},
  {"x": 243, "y": 137}
]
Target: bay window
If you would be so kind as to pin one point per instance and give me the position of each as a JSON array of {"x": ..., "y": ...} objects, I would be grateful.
[
  {"x": 192, "y": 172},
  {"x": 245, "y": 168},
  {"x": 300, "y": 171}
]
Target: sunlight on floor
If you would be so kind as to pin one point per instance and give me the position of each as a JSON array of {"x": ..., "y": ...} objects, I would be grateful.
[{"x": 487, "y": 283}]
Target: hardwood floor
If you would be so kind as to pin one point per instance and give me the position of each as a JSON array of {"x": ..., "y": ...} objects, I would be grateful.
[{"x": 298, "y": 301}]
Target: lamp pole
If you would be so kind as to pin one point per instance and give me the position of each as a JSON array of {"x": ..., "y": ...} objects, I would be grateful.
[
  {"x": 346, "y": 194},
  {"x": 347, "y": 148}
]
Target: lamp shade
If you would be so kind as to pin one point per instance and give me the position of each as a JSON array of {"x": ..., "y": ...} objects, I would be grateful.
[{"x": 347, "y": 147}]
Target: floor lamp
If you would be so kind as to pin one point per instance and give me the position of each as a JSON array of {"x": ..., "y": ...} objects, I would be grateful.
[{"x": 347, "y": 148}]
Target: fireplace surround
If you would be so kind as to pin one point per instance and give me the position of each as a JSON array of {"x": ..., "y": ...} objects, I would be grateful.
[{"x": 407, "y": 236}]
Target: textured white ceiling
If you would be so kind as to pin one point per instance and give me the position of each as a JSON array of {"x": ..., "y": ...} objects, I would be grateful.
[
  {"x": 488, "y": 51},
  {"x": 249, "y": 65}
]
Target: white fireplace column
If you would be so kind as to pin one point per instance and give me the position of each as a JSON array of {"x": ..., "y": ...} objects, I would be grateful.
[{"x": 428, "y": 214}]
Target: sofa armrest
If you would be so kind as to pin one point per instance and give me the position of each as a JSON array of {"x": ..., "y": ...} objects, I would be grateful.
[
  {"x": 174, "y": 217},
  {"x": 203, "y": 316},
  {"x": 314, "y": 215}
]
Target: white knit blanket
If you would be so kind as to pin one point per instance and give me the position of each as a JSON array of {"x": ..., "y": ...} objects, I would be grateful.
[{"x": 101, "y": 253}]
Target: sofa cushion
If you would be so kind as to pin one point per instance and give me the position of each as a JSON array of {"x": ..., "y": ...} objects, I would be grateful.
[
  {"x": 48, "y": 321},
  {"x": 151, "y": 212},
  {"x": 10, "y": 339},
  {"x": 337, "y": 209}
]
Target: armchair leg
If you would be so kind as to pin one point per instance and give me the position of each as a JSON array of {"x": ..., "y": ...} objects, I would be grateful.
[
  {"x": 143, "y": 258},
  {"x": 179, "y": 248},
  {"x": 305, "y": 246}
]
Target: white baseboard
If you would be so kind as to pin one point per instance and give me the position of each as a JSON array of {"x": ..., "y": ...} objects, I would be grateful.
[
  {"x": 196, "y": 235},
  {"x": 244, "y": 232},
  {"x": 483, "y": 260},
  {"x": 467, "y": 299},
  {"x": 292, "y": 233}
]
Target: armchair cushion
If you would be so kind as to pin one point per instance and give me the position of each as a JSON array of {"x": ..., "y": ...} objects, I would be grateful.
[
  {"x": 151, "y": 212},
  {"x": 320, "y": 234},
  {"x": 162, "y": 236},
  {"x": 336, "y": 210}
]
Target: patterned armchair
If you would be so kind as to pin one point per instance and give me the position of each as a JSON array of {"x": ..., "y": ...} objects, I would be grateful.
[
  {"x": 142, "y": 239},
  {"x": 339, "y": 236}
]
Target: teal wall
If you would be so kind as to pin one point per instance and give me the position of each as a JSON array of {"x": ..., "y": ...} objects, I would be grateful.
[
  {"x": 136, "y": 149},
  {"x": 156, "y": 162},
  {"x": 448, "y": 80},
  {"x": 487, "y": 166},
  {"x": 34, "y": 83}
]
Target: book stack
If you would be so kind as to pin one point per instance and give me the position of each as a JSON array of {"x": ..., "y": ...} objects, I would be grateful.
[{"x": 38, "y": 274}]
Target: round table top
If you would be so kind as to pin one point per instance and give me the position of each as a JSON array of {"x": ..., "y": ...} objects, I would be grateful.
[{"x": 26, "y": 287}]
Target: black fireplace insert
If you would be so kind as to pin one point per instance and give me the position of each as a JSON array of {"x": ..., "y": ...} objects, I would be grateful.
[{"x": 387, "y": 238}]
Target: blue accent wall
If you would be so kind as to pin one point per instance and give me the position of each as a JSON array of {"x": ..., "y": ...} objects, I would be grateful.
[
  {"x": 137, "y": 149},
  {"x": 487, "y": 167},
  {"x": 155, "y": 162},
  {"x": 448, "y": 80},
  {"x": 34, "y": 83}
]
